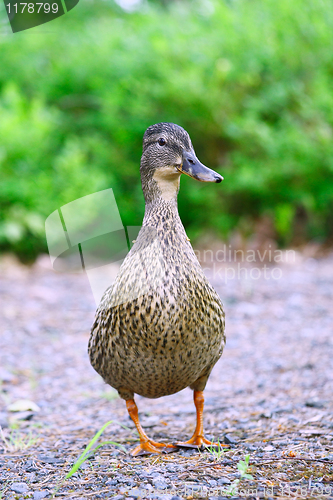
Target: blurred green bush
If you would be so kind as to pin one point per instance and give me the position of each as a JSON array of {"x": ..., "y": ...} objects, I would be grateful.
[{"x": 251, "y": 81}]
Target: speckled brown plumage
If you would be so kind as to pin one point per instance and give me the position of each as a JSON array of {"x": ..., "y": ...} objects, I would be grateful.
[{"x": 160, "y": 327}]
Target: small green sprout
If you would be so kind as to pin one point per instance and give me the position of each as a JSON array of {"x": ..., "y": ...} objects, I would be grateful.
[
  {"x": 216, "y": 452},
  {"x": 88, "y": 452},
  {"x": 15, "y": 441},
  {"x": 242, "y": 466}
]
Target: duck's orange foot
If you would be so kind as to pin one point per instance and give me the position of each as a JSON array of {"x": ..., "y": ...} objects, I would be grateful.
[
  {"x": 200, "y": 442},
  {"x": 150, "y": 447}
]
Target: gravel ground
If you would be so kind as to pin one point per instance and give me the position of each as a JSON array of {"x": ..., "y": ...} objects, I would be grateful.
[{"x": 269, "y": 397}]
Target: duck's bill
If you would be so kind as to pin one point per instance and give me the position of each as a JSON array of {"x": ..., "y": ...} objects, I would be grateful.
[{"x": 192, "y": 167}]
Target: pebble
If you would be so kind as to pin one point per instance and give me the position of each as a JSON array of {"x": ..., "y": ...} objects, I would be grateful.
[
  {"x": 160, "y": 497},
  {"x": 229, "y": 439},
  {"x": 223, "y": 480},
  {"x": 147, "y": 486},
  {"x": 315, "y": 404},
  {"x": 31, "y": 477},
  {"x": 19, "y": 487},
  {"x": 3, "y": 420},
  {"x": 160, "y": 485},
  {"x": 6, "y": 376},
  {"x": 111, "y": 482},
  {"x": 212, "y": 483},
  {"x": 187, "y": 452},
  {"x": 190, "y": 487},
  {"x": 155, "y": 475},
  {"x": 120, "y": 479},
  {"x": 30, "y": 466},
  {"x": 22, "y": 415},
  {"x": 38, "y": 495},
  {"x": 137, "y": 493},
  {"x": 172, "y": 468},
  {"x": 46, "y": 459},
  {"x": 250, "y": 447}
]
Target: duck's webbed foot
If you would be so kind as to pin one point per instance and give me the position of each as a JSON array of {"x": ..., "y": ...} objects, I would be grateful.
[
  {"x": 198, "y": 440},
  {"x": 146, "y": 446},
  {"x": 149, "y": 447}
]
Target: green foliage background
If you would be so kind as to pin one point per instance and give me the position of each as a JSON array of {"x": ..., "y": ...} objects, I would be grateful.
[{"x": 251, "y": 81}]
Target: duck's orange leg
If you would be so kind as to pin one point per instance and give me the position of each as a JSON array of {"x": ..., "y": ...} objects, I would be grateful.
[
  {"x": 146, "y": 445},
  {"x": 198, "y": 439}
]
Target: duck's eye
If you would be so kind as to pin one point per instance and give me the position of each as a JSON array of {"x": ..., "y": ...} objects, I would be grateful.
[{"x": 161, "y": 141}]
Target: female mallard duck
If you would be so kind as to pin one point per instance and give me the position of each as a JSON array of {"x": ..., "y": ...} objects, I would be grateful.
[{"x": 160, "y": 327}]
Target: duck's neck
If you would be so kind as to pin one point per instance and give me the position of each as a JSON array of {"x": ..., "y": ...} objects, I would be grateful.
[
  {"x": 160, "y": 188},
  {"x": 161, "y": 213}
]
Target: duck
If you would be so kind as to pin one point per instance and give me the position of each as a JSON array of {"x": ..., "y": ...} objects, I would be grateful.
[{"x": 160, "y": 327}]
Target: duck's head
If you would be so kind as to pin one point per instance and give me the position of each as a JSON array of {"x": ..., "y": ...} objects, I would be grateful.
[{"x": 168, "y": 153}]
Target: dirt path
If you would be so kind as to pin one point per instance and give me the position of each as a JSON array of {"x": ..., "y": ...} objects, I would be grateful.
[{"x": 270, "y": 396}]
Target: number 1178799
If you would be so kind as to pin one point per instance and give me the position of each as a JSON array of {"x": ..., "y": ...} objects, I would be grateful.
[{"x": 32, "y": 8}]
